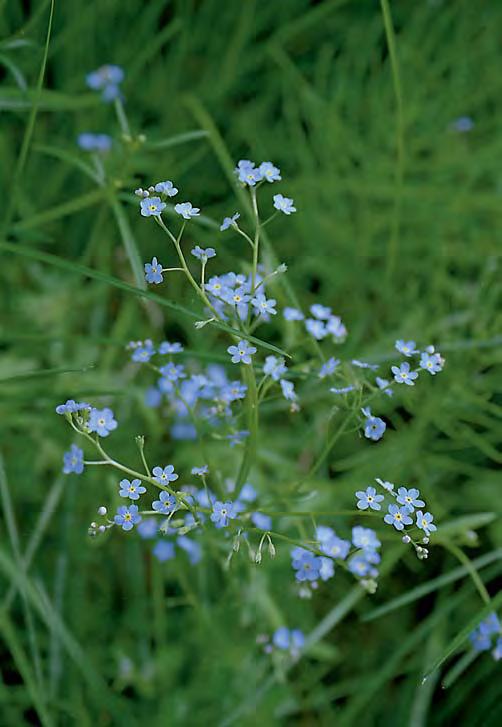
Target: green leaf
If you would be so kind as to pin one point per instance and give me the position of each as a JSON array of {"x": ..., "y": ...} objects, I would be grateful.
[{"x": 463, "y": 635}]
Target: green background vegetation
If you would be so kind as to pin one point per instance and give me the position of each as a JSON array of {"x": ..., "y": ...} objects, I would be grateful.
[{"x": 396, "y": 230}]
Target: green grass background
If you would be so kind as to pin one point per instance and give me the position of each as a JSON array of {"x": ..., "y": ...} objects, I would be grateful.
[{"x": 397, "y": 230}]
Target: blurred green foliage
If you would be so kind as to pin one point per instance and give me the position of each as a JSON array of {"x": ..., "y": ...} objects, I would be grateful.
[{"x": 396, "y": 230}]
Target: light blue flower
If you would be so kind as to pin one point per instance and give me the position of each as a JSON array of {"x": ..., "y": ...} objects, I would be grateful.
[
  {"x": 343, "y": 389},
  {"x": 306, "y": 564},
  {"x": 261, "y": 521},
  {"x": 165, "y": 347},
  {"x": 374, "y": 427},
  {"x": 153, "y": 272},
  {"x": 248, "y": 173},
  {"x": 403, "y": 375},
  {"x": 398, "y": 517},
  {"x": 424, "y": 522},
  {"x": 132, "y": 490},
  {"x": 334, "y": 546},
  {"x": 222, "y": 513},
  {"x": 328, "y": 368},
  {"x": 384, "y": 385},
  {"x": 186, "y": 210},
  {"x": 335, "y": 328},
  {"x": 152, "y": 206},
  {"x": 292, "y": 314},
  {"x": 242, "y": 352},
  {"x": 322, "y": 312},
  {"x": 407, "y": 348},
  {"x": 237, "y": 437},
  {"x": 409, "y": 498},
  {"x": 166, "y": 503},
  {"x": 163, "y": 550},
  {"x": 200, "y": 471},
  {"x": 269, "y": 172},
  {"x": 288, "y": 390},
  {"x": 365, "y": 538},
  {"x": 127, "y": 517},
  {"x": 73, "y": 460},
  {"x": 284, "y": 204},
  {"x": 166, "y": 188},
  {"x": 229, "y": 222},
  {"x": 316, "y": 328},
  {"x": 263, "y": 305},
  {"x": 287, "y": 640},
  {"x": 101, "y": 421},
  {"x": 164, "y": 475},
  {"x": 274, "y": 367},
  {"x": 369, "y": 499},
  {"x": 479, "y": 641},
  {"x": 94, "y": 142},
  {"x": 203, "y": 254},
  {"x": 431, "y": 362}
]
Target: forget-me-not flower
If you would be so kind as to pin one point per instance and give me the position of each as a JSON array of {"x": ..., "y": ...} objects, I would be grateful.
[
  {"x": 374, "y": 427},
  {"x": 73, "y": 460},
  {"x": 132, "y": 490},
  {"x": 186, "y": 210},
  {"x": 166, "y": 188},
  {"x": 152, "y": 206},
  {"x": 101, "y": 421},
  {"x": 292, "y": 314},
  {"x": 222, "y": 513},
  {"x": 165, "y": 504},
  {"x": 328, "y": 368},
  {"x": 424, "y": 522},
  {"x": 369, "y": 499},
  {"x": 242, "y": 352},
  {"x": 274, "y": 367},
  {"x": 431, "y": 362},
  {"x": 153, "y": 272},
  {"x": 229, "y": 222},
  {"x": 403, "y": 375},
  {"x": 284, "y": 204},
  {"x": 409, "y": 498},
  {"x": 407, "y": 348},
  {"x": 398, "y": 517},
  {"x": 269, "y": 172},
  {"x": 203, "y": 254},
  {"x": 127, "y": 517}
]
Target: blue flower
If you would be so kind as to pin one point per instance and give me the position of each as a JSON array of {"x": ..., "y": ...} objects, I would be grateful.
[
  {"x": 229, "y": 222},
  {"x": 163, "y": 550},
  {"x": 166, "y": 188},
  {"x": 327, "y": 569},
  {"x": 364, "y": 364},
  {"x": 398, "y": 516},
  {"x": 409, "y": 498},
  {"x": 306, "y": 564},
  {"x": 237, "y": 437},
  {"x": 127, "y": 517},
  {"x": 153, "y": 272},
  {"x": 316, "y": 328},
  {"x": 264, "y": 305},
  {"x": 166, "y": 503},
  {"x": 292, "y": 314},
  {"x": 164, "y": 475},
  {"x": 242, "y": 352},
  {"x": 431, "y": 362},
  {"x": 286, "y": 640},
  {"x": 403, "y": 375},
  {"x": 385, "y": 484},
  {"x": 328, "y": 367},
  {"x": 284, "y": 204},
  {"x": 407, "y": 348},
  {"x": 369, "y": 499},
  {"x": 248, "y": 493},
  {"x": 343, "y": 389},
  {"x": 152, "y": 206},
  {"x": 148, "y": 528},
  {"x": 186, "y": 210},
  {"x": 200, "y": 471},
  {"x": 94, "y": 142},
  {"x": 334, "y": 546},
  {"x": 165, "y": 347},
  {"x": 274, "y": 367},
  {"x": 247, "y": 173},
  {"x": 424, "y": 522},
  {"x": 374, "y": 427},
  {"x": 463, "y": 124},
  {"x": 203, "y": 254},
  {"x": 288, "y": 390},
  {"x": 222, "y": 513},
  {"x": 261, "y": 521},
  {"x": 132, "y": 490},
  {"x": 383, "y": 384},
  {"x": 269, "y": 172},
  {"x": 233, "y": 392},
  {"x": 101, "y": 421},
  {"x": 322, "y": 312},
  {"x": 360, "y": 565},
  {"x": 173, "y": 372},
  {"x": 365, "y": 538},
  {"x": 71, "y": 407},
  {"x": 143, "y": 352},
  {"x": 479, "y": 640},
  {"x": 490, "y": 625},
  {"x": 73, "y": 460},
  {"x": 335, "y": 327}
]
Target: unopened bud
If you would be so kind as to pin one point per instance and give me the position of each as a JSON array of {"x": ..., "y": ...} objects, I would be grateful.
[{"x": 102, "y": 510}]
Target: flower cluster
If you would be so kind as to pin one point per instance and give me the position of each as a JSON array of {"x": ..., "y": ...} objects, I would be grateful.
[
  {"x": 321, "y": 324},
  {"x": 404, "y": 511},
  {"x": 94, "y": 142}
]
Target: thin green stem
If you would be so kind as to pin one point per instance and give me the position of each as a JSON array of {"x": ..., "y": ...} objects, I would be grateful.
[{"x": 122, "y": 117}]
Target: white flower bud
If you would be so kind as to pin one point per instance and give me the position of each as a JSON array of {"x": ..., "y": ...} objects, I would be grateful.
[{"x": 102, "y": 510}]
